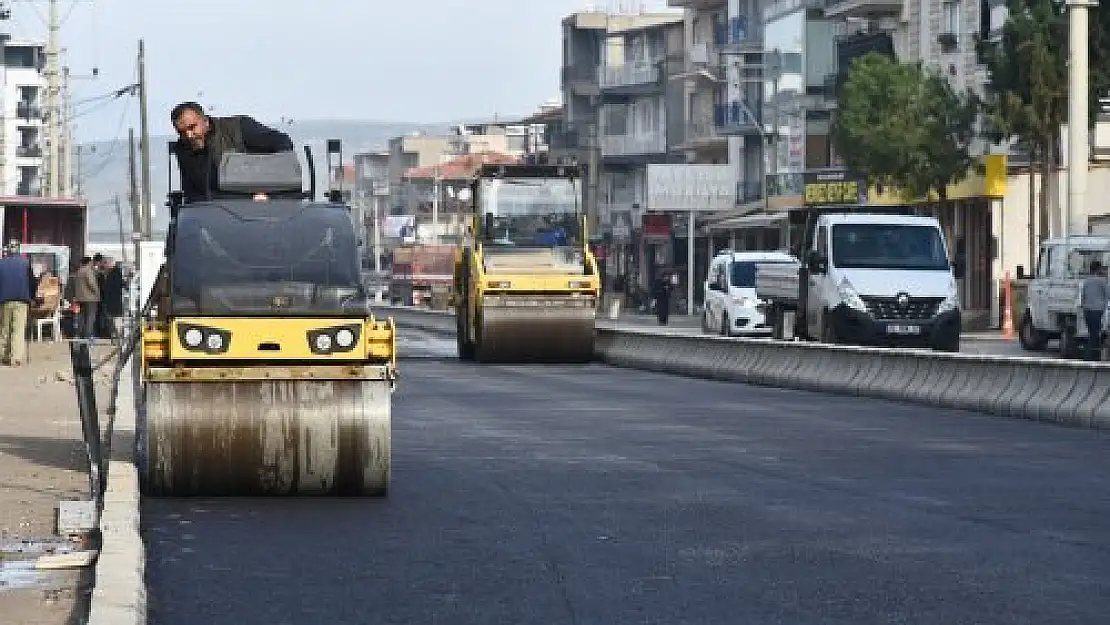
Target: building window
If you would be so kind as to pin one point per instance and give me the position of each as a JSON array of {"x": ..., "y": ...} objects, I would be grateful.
[{"x": 950, "y": 26}]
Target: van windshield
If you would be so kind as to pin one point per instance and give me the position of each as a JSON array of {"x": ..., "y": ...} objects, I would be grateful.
[
  {"x": 888, "y": 246},
  {"x": 742, "y": 274}
]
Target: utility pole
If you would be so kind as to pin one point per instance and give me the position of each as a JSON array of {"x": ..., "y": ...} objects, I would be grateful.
[
  {"x": 1079, "y": 148},
  {"x": 53, "y": 110},
  {"x": 144, "y": 147},
  {"x": 69, "y": 180},
  {"x": 136, "y": 212}
]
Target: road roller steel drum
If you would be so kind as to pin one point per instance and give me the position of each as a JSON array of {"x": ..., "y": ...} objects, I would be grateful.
[
  {"x": 536, "y": 328},
  {"x": 241, "y": 422}
]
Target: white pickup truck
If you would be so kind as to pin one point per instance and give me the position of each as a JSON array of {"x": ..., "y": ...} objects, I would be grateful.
[
  {"x": 1052, "y": 307},
  {"x": 868, "y": 278}
]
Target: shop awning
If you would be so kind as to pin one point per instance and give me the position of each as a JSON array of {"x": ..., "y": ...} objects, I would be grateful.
[{"x": 756, "y": 220}]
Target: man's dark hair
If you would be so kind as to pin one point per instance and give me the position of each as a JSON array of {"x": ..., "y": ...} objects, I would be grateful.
[{"x": 178, "y": 110}]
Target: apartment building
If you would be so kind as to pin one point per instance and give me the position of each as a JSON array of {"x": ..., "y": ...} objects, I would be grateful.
[
  {"x": 25, "y": 215},
  {"x": 625, "y": 97},
  {"x": 23, "y": 135}
]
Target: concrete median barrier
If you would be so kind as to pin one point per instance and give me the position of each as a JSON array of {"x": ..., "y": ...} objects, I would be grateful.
[{"x": 1066, "y": 392}]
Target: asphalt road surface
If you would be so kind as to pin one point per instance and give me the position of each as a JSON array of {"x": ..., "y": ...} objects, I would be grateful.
[{"x": 592, "y": 495}]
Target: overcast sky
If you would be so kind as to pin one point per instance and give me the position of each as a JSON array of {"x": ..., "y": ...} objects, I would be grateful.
[{"x": 389, "y": 60}]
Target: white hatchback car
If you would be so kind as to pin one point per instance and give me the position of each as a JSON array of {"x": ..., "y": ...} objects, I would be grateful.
[{"x": 731, "y": 306}]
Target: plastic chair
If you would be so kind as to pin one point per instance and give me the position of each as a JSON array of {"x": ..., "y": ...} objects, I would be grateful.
[{"x": 54, "y": 321}]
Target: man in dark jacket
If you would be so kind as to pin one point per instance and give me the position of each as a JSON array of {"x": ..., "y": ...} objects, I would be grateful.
[
  {"x": 17, "y": 291},
  {"x": 203, "y": 141}
]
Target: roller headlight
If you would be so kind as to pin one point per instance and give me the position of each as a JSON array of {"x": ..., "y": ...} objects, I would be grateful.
[
  {"x": 204, "y": 339},
  {"x": 344, "y": 338},
  {"x": 214, "y": 342},
  {"x": 335, "y": 340},
  {"x": 193, "y": 337}
]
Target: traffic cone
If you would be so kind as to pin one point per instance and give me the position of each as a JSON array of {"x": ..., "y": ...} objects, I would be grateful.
[{"x": 1008, "y": 311}]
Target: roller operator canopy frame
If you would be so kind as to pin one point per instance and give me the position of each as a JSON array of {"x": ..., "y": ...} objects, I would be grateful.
[{"x": 528, "y": 205}]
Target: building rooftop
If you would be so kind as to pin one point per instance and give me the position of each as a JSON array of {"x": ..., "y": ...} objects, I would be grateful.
[
  {"x": 461, "y": 168},
  {"x": 616, "y": 22}
]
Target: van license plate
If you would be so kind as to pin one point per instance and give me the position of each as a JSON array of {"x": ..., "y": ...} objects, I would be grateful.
[{"x": 900, "y": 329}]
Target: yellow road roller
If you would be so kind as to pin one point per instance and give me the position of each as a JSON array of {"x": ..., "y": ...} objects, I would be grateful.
[
  {"x": 525, "y": 286},
  {"x": 263, "y": 370}
]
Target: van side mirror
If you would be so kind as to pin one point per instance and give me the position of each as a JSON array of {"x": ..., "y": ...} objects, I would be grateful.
[{"x": 958, "y": 269}]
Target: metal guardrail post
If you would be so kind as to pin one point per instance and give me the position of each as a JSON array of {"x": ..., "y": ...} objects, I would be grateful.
[{"x": 81, "y": 360}]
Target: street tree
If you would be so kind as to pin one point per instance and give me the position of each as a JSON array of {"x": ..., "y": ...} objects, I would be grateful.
[{"x": 905, "y": 125}]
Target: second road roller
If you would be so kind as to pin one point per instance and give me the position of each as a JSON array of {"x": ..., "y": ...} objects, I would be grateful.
[
  {"x": 526, "y": 285},
  {"x": 264, "y": 371}
]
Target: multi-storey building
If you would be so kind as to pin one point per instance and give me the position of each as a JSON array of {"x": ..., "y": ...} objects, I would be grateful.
[
  {"x": 625, "y": 120},
  {"x": 25, "y": 215},
  {"x": 23, "y": 135}
]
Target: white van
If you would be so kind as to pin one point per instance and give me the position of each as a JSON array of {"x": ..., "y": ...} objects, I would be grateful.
[
  {"x": 731, "y": 306},
  {"x": 881, "y": 279}
]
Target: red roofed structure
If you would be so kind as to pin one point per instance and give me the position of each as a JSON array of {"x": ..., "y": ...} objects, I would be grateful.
[{"x": 459, "y": 169}]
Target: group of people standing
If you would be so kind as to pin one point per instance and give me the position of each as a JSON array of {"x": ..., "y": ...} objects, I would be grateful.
[{"x": 93, "y": 296}]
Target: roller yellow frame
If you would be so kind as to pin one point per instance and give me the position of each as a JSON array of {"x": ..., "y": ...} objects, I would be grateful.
[{"x": 526, "y": 285}]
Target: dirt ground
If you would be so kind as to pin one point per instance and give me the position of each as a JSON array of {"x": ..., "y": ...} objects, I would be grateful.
[{"x": 42, "y": 461}]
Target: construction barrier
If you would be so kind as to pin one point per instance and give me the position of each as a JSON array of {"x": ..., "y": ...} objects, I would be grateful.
[{"x": 1067, "y": 392}]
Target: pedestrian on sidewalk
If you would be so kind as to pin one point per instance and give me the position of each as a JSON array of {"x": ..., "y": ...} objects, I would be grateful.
[
  {"x": 86, "y": 292},
  {"x": 1093, "y": 299},
  {"x": 16, "y": 295}
]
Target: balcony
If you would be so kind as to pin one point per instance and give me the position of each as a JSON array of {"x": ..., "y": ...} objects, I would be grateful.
[
  {"x": 863, "y": 8},
  {"x": 581, "y": 79},
  {"x": 28, "y": 189},
  {"x": 28, "y": 110},
  {"x": 732, "y": 37},
  {"x": 734, "y": 118},
  {"x": 29, "y": 151},
  {"x": 633, "y": 74},
  {"x": 639, "y": 144}
]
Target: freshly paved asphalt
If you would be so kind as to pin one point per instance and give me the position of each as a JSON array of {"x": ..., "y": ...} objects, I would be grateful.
[{"x": 591, "y": 495}]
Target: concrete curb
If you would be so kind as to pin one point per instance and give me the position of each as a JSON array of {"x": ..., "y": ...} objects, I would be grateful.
[
  {"x": 1066, "y": 392},
  {"x": 119, "y": 595}
]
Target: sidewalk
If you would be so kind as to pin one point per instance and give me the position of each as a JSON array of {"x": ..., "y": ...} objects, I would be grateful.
[{"x": 42, "y": 461}]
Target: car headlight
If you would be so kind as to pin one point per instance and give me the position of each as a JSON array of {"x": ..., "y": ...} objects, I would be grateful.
[
  {"x": 740, "y": 300},
  {"x": 198, "y": 338},
  {"x": 335, "y": 340},
  {"x": 951, "y": 299},
  {"x": 849, "y": 297}
]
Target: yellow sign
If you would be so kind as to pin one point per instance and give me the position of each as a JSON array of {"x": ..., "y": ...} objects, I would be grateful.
[
  {"x": 995, "y": 175},
  {"x": 832, "y": 192}
]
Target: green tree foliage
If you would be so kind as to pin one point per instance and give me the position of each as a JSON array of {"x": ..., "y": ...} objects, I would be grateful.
[
  {"x": 905, "y": 126},
  {"x": 1027, "y": 90}
]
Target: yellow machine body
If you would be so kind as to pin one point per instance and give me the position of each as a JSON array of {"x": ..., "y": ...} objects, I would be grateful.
[
  {"x": 530, "y": 303},
  {"x": 241, "y": 396}
]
